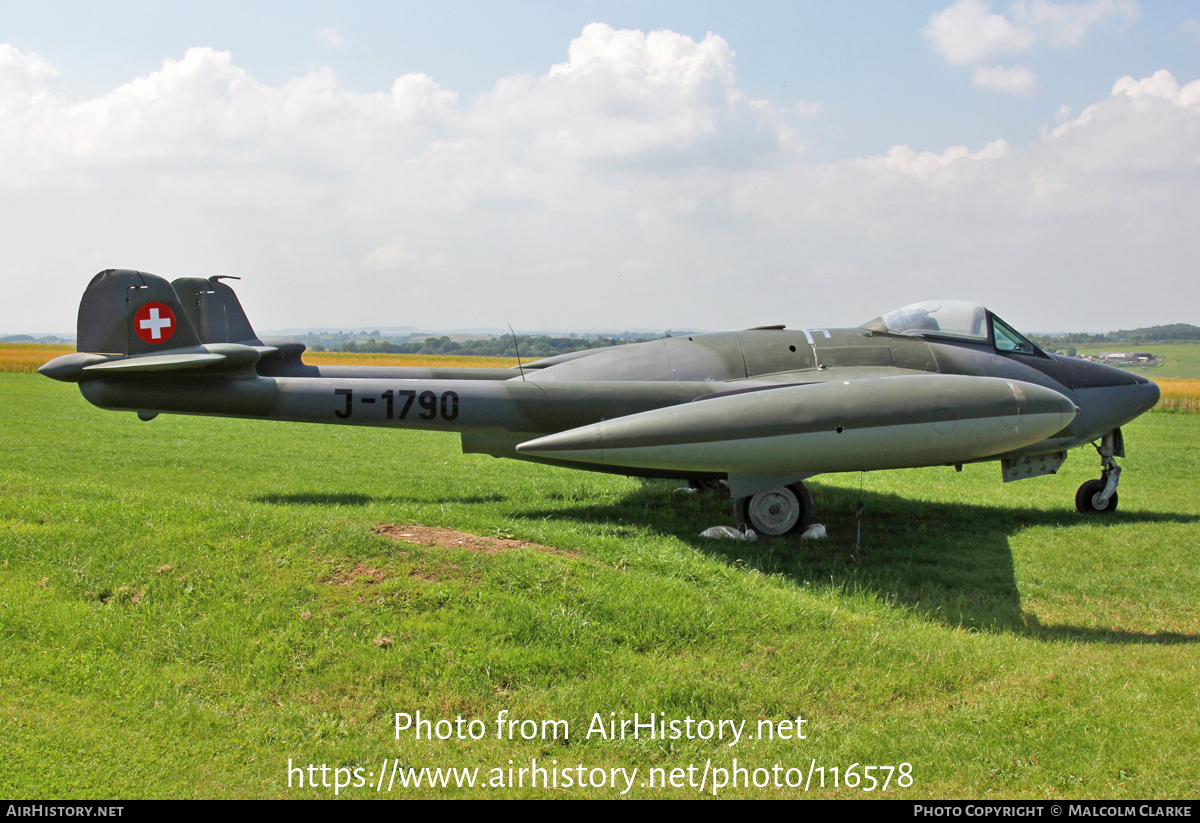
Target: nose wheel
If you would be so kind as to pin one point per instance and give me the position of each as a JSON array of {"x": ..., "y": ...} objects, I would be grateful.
[
  {"x": 1100, "y": 496},
  {"x": 1091, "y": 499},
  {"x": 777, "y": 512}
]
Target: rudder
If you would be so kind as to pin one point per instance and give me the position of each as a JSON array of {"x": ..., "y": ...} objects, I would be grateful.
[
  {"x": 215, "y": 311},
  {"x": 132, "y": 312}
]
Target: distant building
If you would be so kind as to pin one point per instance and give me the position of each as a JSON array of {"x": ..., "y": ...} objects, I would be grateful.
[{"x": 1127, "y": 357}]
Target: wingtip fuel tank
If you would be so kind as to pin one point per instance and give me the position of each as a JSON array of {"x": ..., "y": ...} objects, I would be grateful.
[{"x": 853, "y": 425}]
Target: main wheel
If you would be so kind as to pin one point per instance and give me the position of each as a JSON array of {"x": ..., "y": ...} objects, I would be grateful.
[
  {"x": 776, "y": 512},
  {"x": 1087, "y": 497}
]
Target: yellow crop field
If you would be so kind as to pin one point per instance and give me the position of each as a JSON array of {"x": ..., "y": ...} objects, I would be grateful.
[
  {"x": 1179, "y": 395},
  {"x": 27, "y": 357},
  {"x": 338, "y": 358}
]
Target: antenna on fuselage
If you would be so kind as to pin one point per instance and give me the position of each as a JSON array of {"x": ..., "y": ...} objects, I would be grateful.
[{"x": 518, "y": 351}]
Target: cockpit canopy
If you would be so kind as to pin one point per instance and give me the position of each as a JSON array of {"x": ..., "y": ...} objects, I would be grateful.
[
  {"x": 953, "y": 318},
  {"x": 958, "y": 317}
]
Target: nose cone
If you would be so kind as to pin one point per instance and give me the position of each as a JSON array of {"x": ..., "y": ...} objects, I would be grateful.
[
  {"x": 1152, "y": 397},
  {"x": 1139, "y": 398},
  {"x": 1088, "y": 374},
  {"x": 1108, "y": 397}
]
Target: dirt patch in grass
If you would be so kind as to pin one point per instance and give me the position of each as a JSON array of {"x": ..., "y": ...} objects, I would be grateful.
[
  {"x": 452, "y": 539},
  {"x": 361, "y": 573}
]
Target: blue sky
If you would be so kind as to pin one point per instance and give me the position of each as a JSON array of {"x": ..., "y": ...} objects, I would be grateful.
[{"x": 712, "y": 211}]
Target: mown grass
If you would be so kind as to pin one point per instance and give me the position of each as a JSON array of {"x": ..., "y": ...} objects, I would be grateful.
[{"x": 180, "y": 613}]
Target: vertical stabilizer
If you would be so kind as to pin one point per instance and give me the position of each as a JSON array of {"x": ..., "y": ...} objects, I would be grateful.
[
  {"x": 131, "y": 312},
  {"x": 215, "y": 311}
]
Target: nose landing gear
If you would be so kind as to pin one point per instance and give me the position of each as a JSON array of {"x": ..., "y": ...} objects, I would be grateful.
[{"x": 1100, "y": 496}]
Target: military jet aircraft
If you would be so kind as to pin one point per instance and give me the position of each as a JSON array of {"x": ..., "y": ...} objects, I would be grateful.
[{"x": 759, "y": 411}]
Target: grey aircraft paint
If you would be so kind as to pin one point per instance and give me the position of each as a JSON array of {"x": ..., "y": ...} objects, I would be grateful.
[{"x": 931, "y": 384}]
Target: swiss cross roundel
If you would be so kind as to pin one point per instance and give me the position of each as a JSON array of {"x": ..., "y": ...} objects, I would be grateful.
[{"x": 154, "y": 322}]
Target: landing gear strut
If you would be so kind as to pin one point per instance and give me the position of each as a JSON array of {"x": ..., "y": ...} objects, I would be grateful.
[
  {"x": 776, "y": 512},
  {"x": 1100, "y": 496}
]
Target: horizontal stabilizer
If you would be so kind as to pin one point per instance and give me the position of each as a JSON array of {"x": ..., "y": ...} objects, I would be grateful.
[
  {"x": 224, "y": 357},
  {"x": 158, "y": 362}
]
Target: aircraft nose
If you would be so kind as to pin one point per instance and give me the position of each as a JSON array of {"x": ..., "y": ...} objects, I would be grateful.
[
  {"x": 1108, "y": 397},
  {"x": 1088, "y": 374},
  {"x": 1143, "y": 397}
]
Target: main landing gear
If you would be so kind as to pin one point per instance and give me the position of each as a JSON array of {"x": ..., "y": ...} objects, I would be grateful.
[
  {"x": 1100, "y": 496},
  {"x": 776, "y": 512}
]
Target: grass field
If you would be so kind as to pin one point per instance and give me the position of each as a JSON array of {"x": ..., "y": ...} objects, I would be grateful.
[
  {"x": 1180, "y": 361},
  {"x": 186, "y": 604}
]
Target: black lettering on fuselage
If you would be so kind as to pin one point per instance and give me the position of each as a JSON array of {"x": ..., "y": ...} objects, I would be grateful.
[{"x": 432, "y": 405}]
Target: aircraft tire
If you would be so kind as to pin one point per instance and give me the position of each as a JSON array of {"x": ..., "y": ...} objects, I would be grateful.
[
  {"x": 777, "y": 512},
  {"x": 1085, "y": 498}
]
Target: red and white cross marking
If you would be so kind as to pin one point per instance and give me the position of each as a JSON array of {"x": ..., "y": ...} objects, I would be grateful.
[{"x": 154, "y": 322}]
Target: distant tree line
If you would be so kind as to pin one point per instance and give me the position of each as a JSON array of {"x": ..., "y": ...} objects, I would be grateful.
[
  {"x": 1150, "y": 335},
  {"x": 25, "y": 338}
]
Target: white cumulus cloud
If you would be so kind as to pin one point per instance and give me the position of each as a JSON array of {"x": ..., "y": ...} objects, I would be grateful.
[
  {"x": 629, "y": 97},
  {"x": 22, "y": 74},
  {"x": 1163, "y": 85},
  {"x": 924, "y": 164},
  {"x": 333, "y": 38},
  {"x": 970, "y": 32},
  {"x": 1066, "y": 24},
  {"x": 1019, "y": 80},
  {"x": 600, "y": 192}
]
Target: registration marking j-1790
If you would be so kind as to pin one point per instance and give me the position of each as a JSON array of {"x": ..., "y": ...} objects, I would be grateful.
[{"x": 431, "y": 404}]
